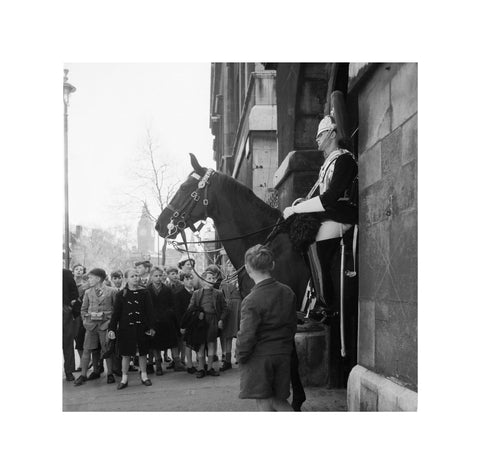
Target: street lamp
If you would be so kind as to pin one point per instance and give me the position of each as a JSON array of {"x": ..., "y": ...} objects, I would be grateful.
[{"x": 67, "y": 90}]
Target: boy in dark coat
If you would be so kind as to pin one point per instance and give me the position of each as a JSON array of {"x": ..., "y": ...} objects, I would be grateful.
[{"x": 266, "y": 336}]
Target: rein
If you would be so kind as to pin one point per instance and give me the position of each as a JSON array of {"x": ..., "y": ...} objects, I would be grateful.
[{"x": 176, "y": 225}]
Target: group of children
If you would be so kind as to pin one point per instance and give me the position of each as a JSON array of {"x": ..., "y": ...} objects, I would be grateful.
[{"x": 132, "y": 319}]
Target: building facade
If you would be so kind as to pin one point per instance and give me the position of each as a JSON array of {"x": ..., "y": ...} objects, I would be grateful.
[{"x": 264, "y": 119}]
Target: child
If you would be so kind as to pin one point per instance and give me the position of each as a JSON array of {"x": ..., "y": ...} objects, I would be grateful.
[
  {"x": 234, "y": 300},
  {"x": 266, "y": 337},
  {"x": 173, "y": 279},
  {"x": 166, "y": 327},
  {"x": 181, "y": 301},
  {"x": 212, "y": 308},
  {"x": 186, "y": 266},
  {"x": 97, "y": 307},
  {"x": 117, "y": 279},
  {"x": 132, "y": 320}
]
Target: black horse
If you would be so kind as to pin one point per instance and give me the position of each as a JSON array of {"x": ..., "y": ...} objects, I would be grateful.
[{"x": 237, "y": 211}]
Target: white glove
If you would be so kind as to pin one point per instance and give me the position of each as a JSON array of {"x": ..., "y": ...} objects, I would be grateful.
[
  {"x": 312, "y": 205},
  {"x": 287, "y": 212}
]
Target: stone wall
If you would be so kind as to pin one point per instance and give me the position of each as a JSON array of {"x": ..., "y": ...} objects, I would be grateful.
[{"x": 387, "y": 149}]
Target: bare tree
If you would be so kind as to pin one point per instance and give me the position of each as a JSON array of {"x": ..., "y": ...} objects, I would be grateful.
[{"x": 153, "y": 180}]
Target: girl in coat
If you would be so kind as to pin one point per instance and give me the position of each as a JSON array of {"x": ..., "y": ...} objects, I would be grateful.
[{"x": 132, "y": 321}]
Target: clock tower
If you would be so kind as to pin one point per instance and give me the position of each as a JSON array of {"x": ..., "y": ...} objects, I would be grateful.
[{"x": 145, "y": 233}]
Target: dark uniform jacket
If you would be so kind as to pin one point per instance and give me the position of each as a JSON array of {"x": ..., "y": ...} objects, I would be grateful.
[
  {"x": 268, "y": 321},
  {"x": 337, "y": 198}
]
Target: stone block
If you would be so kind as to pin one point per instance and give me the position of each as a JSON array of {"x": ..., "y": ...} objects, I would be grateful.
[
  {"x": 309, "y": 103},
  {"x": 405, "y": 188},
  {"x": 263, "y": 117},
  {"x": 374, "y": 244},
  {"x": 407, "y": 400},
  {"x": 376, "y": 202},
  {"x": 391, "y": 151},
  {"x": 396, "y": 340},
  {"x": 388, "y": 396},
  {"x": 368, "y": 399},
  {"x": 298, "y": 160},
  {"x": 369, "y": 391},
  {"x": 404, "y": 90},
  {"x": 366, "y": 333},
  {"x": 369, "y": 167},
  {"x": 409, "y": 140},
  {"x": 404, "y": 257},
  {"x": 305, "y": 132},
  {"x": 374, "y": 108}
]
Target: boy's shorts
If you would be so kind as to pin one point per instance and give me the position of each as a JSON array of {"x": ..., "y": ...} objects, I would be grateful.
[
  {"x": 265, "y": 377},
  {"x": 94, "y": 338}
]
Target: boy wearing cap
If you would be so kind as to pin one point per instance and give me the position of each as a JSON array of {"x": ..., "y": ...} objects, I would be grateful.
[{"x": 97, "y": 308}]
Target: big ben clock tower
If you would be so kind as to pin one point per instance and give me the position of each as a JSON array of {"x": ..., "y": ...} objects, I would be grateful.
[{"x": 145, "y": 235}]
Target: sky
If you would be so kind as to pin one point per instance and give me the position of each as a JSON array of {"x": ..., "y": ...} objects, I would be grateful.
[{"x": 109, "y": 114}]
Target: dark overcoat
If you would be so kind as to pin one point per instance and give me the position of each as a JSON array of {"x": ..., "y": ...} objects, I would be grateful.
[
  {"x": 167, "y": 331},
  {"x": 132, "y": 317}
]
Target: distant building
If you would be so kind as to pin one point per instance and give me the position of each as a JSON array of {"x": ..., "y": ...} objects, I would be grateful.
[{"x": 145, "y": 233}]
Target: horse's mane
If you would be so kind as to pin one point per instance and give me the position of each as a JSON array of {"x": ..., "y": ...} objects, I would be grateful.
[{"x": 231, "y": 187}]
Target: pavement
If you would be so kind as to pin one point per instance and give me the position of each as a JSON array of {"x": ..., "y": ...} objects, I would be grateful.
[{"x": 180, "y": 391}]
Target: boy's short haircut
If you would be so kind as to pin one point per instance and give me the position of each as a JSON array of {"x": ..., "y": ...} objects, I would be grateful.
[
  {"x": 171, "y": 270},
  {"x": 259, "y": 258},
  {"x": 208, "y": 272},
  {"x": 98, "y": 272},
  {"x": 116, "y": 274},
  {"x": 184, "y": 275},
  {"x": 145, "y": 263}
]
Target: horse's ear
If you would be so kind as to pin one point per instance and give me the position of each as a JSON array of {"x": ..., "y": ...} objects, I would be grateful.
[{"x": 195, "y": 164}]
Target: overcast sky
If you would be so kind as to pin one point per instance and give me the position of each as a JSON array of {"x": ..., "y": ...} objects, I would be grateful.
[{"x": 109, "y": 114}]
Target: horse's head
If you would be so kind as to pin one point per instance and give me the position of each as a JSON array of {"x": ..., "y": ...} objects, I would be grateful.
[{"x": 189, "y": 204}]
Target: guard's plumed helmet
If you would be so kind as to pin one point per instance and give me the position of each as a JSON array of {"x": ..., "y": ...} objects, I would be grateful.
[{"x": 326, "y": 124}]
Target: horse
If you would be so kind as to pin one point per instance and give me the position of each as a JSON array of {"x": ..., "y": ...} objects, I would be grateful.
[{"x": 241, "y": 220}]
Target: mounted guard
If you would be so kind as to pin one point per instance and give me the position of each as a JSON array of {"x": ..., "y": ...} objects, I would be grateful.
[{"x": 335, "y": 206}]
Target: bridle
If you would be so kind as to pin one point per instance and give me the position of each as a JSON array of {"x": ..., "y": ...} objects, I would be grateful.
[
  {"x": 180, "y": 217},
  {"x": 178, "y": 221}
]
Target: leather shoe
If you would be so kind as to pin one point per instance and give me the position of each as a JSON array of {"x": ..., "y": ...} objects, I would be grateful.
[
  {"x": 69, "y": 377},
  {"x": 171, "y": 365},
  {"x": 110, "y": 378},
  {"x": 93, "y": 376},
  {"x": 80, "y": 380},
  {"x": 191, "y": 370},
  {"x": 78, "y": 369},
  {"x": 159, "y": 371},
  {"x": 225, "y": 366},
  {"x": 122, "y": 385},
  {"x": 200, "y": 374},
  {"x": 213, "y": 372},
  {"x": 147, "y": 382}
]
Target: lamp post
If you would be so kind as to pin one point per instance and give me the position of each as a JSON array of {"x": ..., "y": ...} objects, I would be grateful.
[{"x": 67, "y": 90}]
